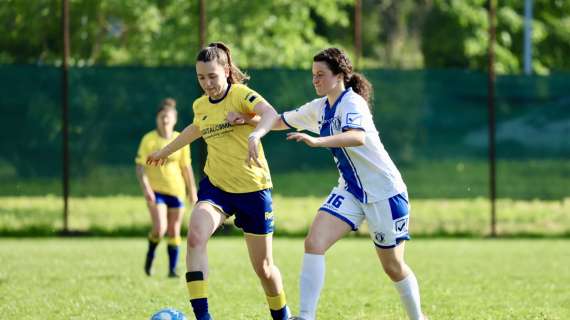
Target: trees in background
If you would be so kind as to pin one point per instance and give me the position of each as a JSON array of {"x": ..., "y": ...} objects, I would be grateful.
[{"x": 286, "y": 33}]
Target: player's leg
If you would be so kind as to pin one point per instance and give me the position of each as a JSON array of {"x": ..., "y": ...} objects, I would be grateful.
[
  {"x": 157, "y": 213},
  {"x": 175, "y": 215},
  {"x": 388, "y": 221},
  {"x": 205, "y": 219},
  {"x": 254, "y": 215},
  {"x": 325, "y": 230},
  {"x": 261, "y": 256},
  {"x": 404, "y": 279}
]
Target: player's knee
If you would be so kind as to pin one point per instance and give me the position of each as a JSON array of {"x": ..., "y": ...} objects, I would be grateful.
[
  {"x": 263, "y": 270},
  {"x": 394, "y": 269},
  {"x": 196, "y": 239},
  {"x": 315, "y": 245}
]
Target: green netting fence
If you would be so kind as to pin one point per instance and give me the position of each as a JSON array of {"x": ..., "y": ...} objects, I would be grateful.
[{"x": 433, "y": 123}]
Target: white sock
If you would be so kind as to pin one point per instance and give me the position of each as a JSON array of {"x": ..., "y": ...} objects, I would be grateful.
[
  {"x": 312, "y": 280},
  {"x": 410, "y": 296}
]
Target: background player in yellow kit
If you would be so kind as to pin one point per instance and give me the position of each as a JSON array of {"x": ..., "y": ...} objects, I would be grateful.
[
  {"x": 165, "y": 187},
  {"x": 237, "y": 177}
]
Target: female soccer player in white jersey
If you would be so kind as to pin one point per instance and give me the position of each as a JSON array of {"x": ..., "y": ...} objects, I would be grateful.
[
  {"x": 165, "y": 187},
  {"x": 237, "y": 177},
  {"x": 370, "y": 186}
]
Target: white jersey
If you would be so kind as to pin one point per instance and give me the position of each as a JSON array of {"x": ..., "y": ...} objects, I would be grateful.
[{"x": 366, "y": 171}]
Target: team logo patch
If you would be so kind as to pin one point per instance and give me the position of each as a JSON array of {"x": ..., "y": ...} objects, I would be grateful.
[
  {"x": 401, "y": 225},
  {"x": 354, "y": 119},
  {"x": 268, "y": 215},
  {"x": 204, "y": 118},
  {"x": 379, "y": 236}
]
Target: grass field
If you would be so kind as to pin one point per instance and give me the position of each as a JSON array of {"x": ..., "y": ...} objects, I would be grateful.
[
  {"x": 426, "y": 179},
  {"x": 127, "y": 215},
  {"x": 460, "y": 279}
]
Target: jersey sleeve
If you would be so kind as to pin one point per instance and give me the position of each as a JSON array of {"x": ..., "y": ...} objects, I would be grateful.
[
  {"x": 353, "y": 115},
  {"x": 248, "y": 98},
  {"x": 197, "y": 115},
  {"x": 305, "y": 117},
  {"x": 142, "y": 152}
]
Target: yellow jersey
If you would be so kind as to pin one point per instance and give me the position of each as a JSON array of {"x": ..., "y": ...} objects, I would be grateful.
[
  {"x": 168, "y": 178},
  {"x": 228, "y": 145}
]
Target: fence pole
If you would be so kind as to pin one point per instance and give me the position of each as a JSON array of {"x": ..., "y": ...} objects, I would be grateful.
[
  {"x": 491, "y": 112},
  {"x": 65, "y": 111},
  {"x": 357, "y": 33}
]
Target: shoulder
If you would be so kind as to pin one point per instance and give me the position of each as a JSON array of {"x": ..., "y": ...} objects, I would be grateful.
[
  {"x": 315, "y": 104},
  {"x": 199, "y": 102},
  {"x": 149, "y": 135},
  {"x": 354, "y": 100}
]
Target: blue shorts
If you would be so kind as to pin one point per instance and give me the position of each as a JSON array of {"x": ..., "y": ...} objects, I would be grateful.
[
  {"x": 253, "y": 210},
  {"x": 168, "y": 200}
]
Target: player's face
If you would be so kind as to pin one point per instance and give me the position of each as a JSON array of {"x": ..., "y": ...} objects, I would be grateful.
[
  {"x": 323, "y": 78},
  {"x": 166, "y": 119},
  {"x": 212, "y": 77}
]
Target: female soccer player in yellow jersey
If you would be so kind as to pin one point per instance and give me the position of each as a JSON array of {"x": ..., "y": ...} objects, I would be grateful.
[
  {"x": 165, "y": 187},
  {"x": 237, "y": 178}
]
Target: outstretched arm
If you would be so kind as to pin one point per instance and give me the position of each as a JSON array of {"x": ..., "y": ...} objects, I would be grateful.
[
  {"x": 349, "y": 138},
  {"x": 187, "y": 136},
  {"x": 236, "y": 118},
  {"x": 268, "y": 116}
]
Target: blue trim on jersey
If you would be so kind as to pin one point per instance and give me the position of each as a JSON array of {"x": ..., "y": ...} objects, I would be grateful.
[
  {"x": 168, "y": 200},
  {"x": 344, "y": 164},
  {"x": 398, "y": 241},
  {"x": 341, "y": 217},
  {"x": 285, "y": 121},
  {"x": 214, "y": 101},
  {"x": 345, "y": 128},
  {"x": 399, "y": 206}
]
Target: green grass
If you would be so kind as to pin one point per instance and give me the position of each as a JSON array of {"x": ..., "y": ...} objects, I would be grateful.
[
  {"x": 460, "y": 279},
  {"x": 460, "y": 179},
  {"x": 127, "y": 215}
]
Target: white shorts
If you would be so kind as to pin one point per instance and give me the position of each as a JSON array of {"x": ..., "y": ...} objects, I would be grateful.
[{"x": 388, "y": 219}]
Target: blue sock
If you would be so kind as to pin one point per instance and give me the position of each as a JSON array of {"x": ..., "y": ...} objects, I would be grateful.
[
  {"x": 172, "y": 257},
  {"x": 198, "y": 291}
]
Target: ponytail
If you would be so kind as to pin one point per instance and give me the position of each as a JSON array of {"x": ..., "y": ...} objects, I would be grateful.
[
  {"x": 362, "y": 86},
  {"x": 221, "y": 53}
]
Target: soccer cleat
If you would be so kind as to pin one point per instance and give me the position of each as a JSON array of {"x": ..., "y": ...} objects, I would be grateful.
[
  {"x": 296, "y": 318},
  {"x": 173, "y": 274}
]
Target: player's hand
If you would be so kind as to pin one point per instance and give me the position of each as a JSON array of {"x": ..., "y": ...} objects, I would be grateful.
[
  {"x": 156, "y": 159},
  {"x": 303, "y": 137},
  {"x": 236, "y": 118},
  {"x": 253, "y": 150}
]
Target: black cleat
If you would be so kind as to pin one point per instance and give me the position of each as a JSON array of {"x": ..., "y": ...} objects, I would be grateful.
[{"x": 173, "y": 274}]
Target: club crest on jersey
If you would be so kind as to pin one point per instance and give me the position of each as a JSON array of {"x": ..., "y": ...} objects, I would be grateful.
[
  {"x": 379, "y": 236},
  {"x": 268, "y": 215},
  {"x": 354, "y": 119}
]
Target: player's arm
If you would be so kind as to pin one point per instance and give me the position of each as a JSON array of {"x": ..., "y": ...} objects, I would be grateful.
[
  {"x": 268, "y": 116},
  {"x": 144, "y": 184},
  {"x": 186, "y": 137},
  {"x": 253, "y": 120},
  {"x": 190, "y": 184},
  {"x": 349, "y": 138}
]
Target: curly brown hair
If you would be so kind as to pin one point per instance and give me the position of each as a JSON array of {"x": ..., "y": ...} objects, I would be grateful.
[{"x": 339, "y": 63}]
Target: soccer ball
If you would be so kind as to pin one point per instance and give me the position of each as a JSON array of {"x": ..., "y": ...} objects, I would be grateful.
[{"x": 168, "y": 314}]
